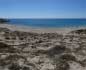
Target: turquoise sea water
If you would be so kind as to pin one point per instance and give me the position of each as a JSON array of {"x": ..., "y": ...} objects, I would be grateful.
[{"x": 49, "y": 23}]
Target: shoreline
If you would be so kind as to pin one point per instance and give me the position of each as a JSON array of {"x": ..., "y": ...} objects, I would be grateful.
[{"x": 62, "y": 30}]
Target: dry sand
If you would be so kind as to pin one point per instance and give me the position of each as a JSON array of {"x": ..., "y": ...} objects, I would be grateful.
[{"x": 46, "y": 61}]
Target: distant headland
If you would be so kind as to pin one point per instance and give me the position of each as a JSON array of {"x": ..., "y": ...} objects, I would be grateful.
[{"x": 2, "y": 20}]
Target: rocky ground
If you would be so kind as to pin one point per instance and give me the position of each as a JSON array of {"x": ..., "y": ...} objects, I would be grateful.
[{"x": 21, "y": 50}]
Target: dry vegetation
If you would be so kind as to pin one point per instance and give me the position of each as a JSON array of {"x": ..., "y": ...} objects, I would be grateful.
[{"x": 41, "y": 51}]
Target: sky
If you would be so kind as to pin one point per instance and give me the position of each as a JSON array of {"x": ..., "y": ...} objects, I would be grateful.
[{"x": 42, "y": 8}]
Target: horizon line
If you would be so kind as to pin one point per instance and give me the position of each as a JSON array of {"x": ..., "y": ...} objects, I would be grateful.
[{"x": 38, "y": 18}]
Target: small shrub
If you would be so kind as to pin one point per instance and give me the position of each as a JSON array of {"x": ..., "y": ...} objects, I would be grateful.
[
  {"x": 68, "y": 57},
  {"x": 26, "y": 68},
  {"x": 14, "y": 67},
  {"x": 83, "y": 63},
  {"x": 62, "y": 65}
]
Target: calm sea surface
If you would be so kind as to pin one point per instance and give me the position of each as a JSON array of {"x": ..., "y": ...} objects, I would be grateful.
[{"x": 49, "y": 23}]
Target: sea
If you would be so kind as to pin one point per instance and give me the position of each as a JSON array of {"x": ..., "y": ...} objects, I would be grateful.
[{"x": 49, "y": 23}]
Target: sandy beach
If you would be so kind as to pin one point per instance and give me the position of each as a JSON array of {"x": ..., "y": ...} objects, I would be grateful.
[
  {"x": 28, "y": 48},
  {"x": 39, "y": 30}
]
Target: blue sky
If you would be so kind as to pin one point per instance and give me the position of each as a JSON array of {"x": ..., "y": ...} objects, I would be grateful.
[{"x": 43, "y": 8}]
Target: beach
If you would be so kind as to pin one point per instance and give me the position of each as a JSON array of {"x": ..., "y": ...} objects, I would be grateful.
[
  {"x": 42, "y": 34},
  {"x": 62, "y": 30},
  {"x": 29, "y": 48}
]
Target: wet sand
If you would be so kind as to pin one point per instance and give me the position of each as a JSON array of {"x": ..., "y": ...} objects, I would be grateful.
[{"x": 35, "y": 29}]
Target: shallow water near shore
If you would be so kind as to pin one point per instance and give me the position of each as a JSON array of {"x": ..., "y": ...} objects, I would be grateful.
[{"x": 49, "y": 23}]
